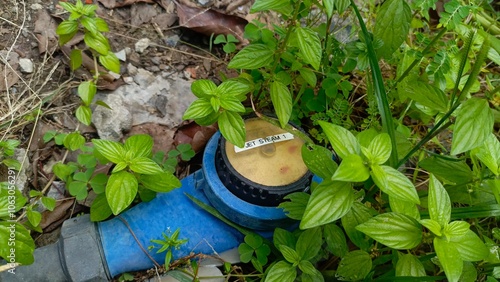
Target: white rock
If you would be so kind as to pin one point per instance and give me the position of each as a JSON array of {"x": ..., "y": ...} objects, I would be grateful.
[
  {"x": 111, "y": 123},
  {"x": 144, "y": 78},
  {"x": 121, "y": 55},
  {"x": 26, "y": 65},
  {"x": 128, "y": 80},
  {"x": 141, "y": 45},
  {"x": 36, "y": 6},
  {"x": 131, "y": 69}
]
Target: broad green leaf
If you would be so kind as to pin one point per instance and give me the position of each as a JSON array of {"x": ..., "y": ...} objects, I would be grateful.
[
  {"x": 144, "y": 165},
  {"x": 394, "y": 230},
  {"x": 254, "y": 240},
  {"x": 456, "y": 229},
  {"x": 120, "y": 191},
  {"x": 343, "y": 142},
  {"x": 380, "y": 149},
  {"x": 215, "y": 102},
  {"x": 328, "y": 4},
  {"x": 24, "y": 244},
  {"x": 89, "y": 24},
  {"x": 352, "y": 169},
  {"x": 120, "y": 166},
  {"x": 87, "y": 91},
  {"x": 357, "y": 215},
  {"x": 449, "y": 258},
  {"x": 354, "y": 266},
  {"x": 457, "y": 172},
  {"x": 438, "y": 202},
  {"x": 489, "y": 154},
  {"x": 113, "y": 151},
  {"x": 34, "y": 217},
  {"x": 74, "y": 141},
  {"x": 140, "y": 145},
  {"x": 68, "y": 6},
  {"x": 65, "y": 38},
  {"x": 296, "y": 207},
  {"x": 282, "y": 101},
  {"x": 101, "y": 25},
  {"x": 84, "y": 114},
  {"x": 75, "y": 59},
  {"x": 470, "y": 247},
  {"x": 307, "y": 267},
  {"x": 67, "y": 27},
  {"x": 473, "y": 125},
  {"x": 281, "y": 272},
  {"x": 394, "y": 183},
  {"x": 309, "y": 243},
  {"x": 309, "y": 76},
  {"x": 252, "y": 57},
  {"x": 97, "y": 42},
  {"x": 289, "y": 254},
  {"x": 203, "y": 88},
  {"x": 49, "y": 203},
  {"x": 319, "y": 160},
  {"x": 10, "y": 202},
  {"x": 329, "y": 201},
  {"x": 110, "y": 61},
  {"x": 342, "y": 5},
  {"x": 246, "y": 252},
  {"x": 198, "y": 109},
  {"x": 284, "y": 237},
  {"x": 100, "y": 210},
  {"x": 163, "y": 182},
  {"x": 392, "y": 26},
  {"x": 409, "y": 265},
  {"x": 309, "y": 45},
  {"x": 427, "y": 95},
  {"x": 283, "y": 6},
  {"x": 233, "y": 88},
  {"x": 63, "y": 171},
  {"x": 232, "y": 104},
  {"x": 78, "y": 189},
  {"x": 232, "y": 127},
  {"x": 98, "y": 183},
  {"x": 12, "y": 163},
  {"x": 335, "y": 240},
  {"x": 432, "y": 225},
  {"x": 404, "y": 207},
  {"x": 469, "y": 272}
]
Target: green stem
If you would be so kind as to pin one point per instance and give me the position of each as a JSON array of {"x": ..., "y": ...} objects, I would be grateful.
[
  {"x": 487, "y": 22},
  {"x": 379, "y": 90}
]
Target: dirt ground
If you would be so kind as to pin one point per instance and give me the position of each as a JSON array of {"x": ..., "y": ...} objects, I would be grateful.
[{"x": 38, "y": 90}]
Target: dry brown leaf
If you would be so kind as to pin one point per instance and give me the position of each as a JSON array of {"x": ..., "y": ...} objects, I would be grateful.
[
  {"x": 208, "y": 22},
  {"x": 45, "y": 31},
  {"x": 142, "y": 13},
  {"x": 195, "y": 135},
  {"x": 110, "y": 4},
  {"x": 57, "y": 216},
  {"x": 8, "y": 77}
]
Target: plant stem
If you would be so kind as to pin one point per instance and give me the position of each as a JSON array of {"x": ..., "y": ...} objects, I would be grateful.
[{"x": 379, "y": 90}]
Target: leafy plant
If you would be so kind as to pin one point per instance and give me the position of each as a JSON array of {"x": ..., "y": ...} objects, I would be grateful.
[
  {"x": 168, "y": 244},
  {"x": 228, "y": 42},
  {"x": 254, "y": 250}
]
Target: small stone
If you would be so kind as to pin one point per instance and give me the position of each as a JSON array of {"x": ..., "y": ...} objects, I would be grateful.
[
  {"x": 36, "y": 6},
  {"x": 128, "y": 80},
  {"x": 163, "y": 67},
  {"x": 141, "y": 45},
  {"x": 121, "y": 55},
  {"x": 171, "y": 41},
  {"x": 203, "y": 2},
  {"x": 153, "y": 69},
  {"x": 144, "y": 78},
  {"x": 128, "y": 50},
  {"x": 155, "y": 60},
  {"x": 187, "y": 74},
  {"x": 26, "y": 65},
  {"x": 131, "y": 69},
  {"x": 114, "y": 75}
]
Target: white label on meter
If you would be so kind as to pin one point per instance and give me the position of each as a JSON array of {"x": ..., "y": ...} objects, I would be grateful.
[{"x": 264, "y": 141}]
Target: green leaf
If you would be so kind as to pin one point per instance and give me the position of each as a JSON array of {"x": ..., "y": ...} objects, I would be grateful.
[
  {"x": 246, "y": 252},
  {"x": 97, "y": 42},
  {"x": 75, "y": 59},
  {"x": 392, "y": 26},
  {"x": 342, "y": 5},
  {"x": 49, "y": 203},
  {"x": 84, "y": 114},
  {"x": 354, "y": 266},
  {"x": 394, "y": 183},
  {"x": 198, "y": 109},
  {"x": 319, "y": 160},
  {"x": 24, "y": 244},
  {"x": 404, "y": 207},
  {"x": 409, "y": 265},
  {"x": 110, "y": 62},
  {"x": 379, "y": 149},
  {"x": 203, "y": 88},
  {"x": 34, "y": 217},
  {"x": 281, "y": 272},
  {"x": 473, "y": 125},
  {"x": 432, "y": 225},
  {"x": 232, "y": 127},
  {"x": 283, "y": 6},
  {"x": 289, "y": 254},
  {"x": 62, "y": 171},
  {"x": 457, "y": 172},
  {"x": 87, "y": 91},
  {"x": 98, "y": 183},
  {"x": 140, "y": 145},
  {"x": 456, "y": 229},
  {"x": 163, "y": 182},
  {"x": 283, "y": 237},
  {"x": 144, "y": 165},
  {"x": 215, "y": 102},
  {"x": 352, "y": 169},
  {"x": 329, "y": 201},
  {"x": 358, "y": 214},
  {"x": 74, "y": 141},
  {"x": 454, "y": 13},
  {"x": 100, "y": 210},
  {"x": 220, "y": 39},
  {"x": 309, "y": 76},
  {"x": 282, "y": 101},
  {"x": 68, "y": 7},
  {"x": 101, "y": 25},
  {"x": 120, "y": 191},
  {"x": 254, "y": 240},
  {"x": 489, "y": 153},
  {"x": 343, "y": 142},
  {"x": 113, "y": 151},
  {"x": 328, "y": 4},
  {"x": 89, "y": 24},
  {"x": 438, "y": 202},
  {"x": 309, "y": 243},
  {"x": 232, "y": 104},
  {"x": 9, "y": 205},
  {"x": 394, "y": 230},
  {"x": 67, "y": 27},
  {"x": 470, "y": 247},
  {"x": 449, "y": 259},
  {"x": 78, "y": 189},
  {"x": 233, "y": 88},
  {"x": 426, "y": 94},
  {"x": 309, "y": 45},
  {"x": 335, "y": 240},
  {"x": 252, "y": 57},
  {"x": 307, "y": 267}
]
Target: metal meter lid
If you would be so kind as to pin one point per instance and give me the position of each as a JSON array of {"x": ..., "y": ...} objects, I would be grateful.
[{"x": 267, "y": 168}]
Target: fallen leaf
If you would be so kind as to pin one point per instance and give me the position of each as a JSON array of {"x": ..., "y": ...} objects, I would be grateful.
[
  {"x": 110, "y": 4},
  {"x": 45, "y": 31},
  {"x": 142, "y": 13},
  {"x": 208, "y": 22},
  {"x": 52, "y": 219},
  {"x": 195, "y": 135}
]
